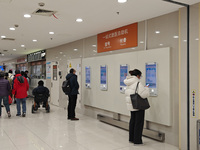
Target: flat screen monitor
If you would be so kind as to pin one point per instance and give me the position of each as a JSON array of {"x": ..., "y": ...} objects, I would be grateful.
[
  {"x": 87, "y": 75},
  {"x": 103, "y": 75},
  {"x": 151, "y": 75},
  {"x": 123, "y": 74}
]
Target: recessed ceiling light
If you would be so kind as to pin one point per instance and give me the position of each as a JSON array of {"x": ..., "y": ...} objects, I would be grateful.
[
  {"x": 79, "y": 20},
  {"x": 22, "y": 45},
  {"x": 141, "y": 42},
  {"x": 157, "y": 32},
  {"x": 14, "y": 49},
  {"x": 2, "y": 54},
  {"x": 3, "y": 36},
  {"x": 34, "y": 40},
  {"x": 132, "y": 48},
  {"x": 64, "y": 55},
  {"x": 75, "y": 49},
  {"x": 27, "y": 16},
  {"x": 61, "y": 52},
  {"x": 122, "y": 1},
  {"x": 80, "y": 56},
  {"x": 196, "y": 39},
  {"x": 12, "y": 29},
  {"x": 161, "y": 44},
  {"x": 175, "y": 37},
  {"x": 184, "y": 40},
  {"x": 51, "y": 32},
  {"x": 94, "y": 45}
]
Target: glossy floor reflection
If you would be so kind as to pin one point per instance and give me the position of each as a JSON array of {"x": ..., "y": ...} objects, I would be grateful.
[{"x": 43, "y": 131}]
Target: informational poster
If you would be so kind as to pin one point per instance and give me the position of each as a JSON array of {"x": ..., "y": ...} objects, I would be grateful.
[
  {"x": 103, "y": 75},
  {"x": 87, "y": 75},
  {"x": 123, "y": 74},
  {"x": 48, "y": 70},
  {"x": 151, "y": 75},
  {"x": 1, "y": 68}
]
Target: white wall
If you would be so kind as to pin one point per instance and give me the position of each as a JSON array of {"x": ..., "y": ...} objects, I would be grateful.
[{"x": 114, "y": 101}]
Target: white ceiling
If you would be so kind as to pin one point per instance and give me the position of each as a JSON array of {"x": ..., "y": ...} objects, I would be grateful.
[{"x": 98, "y": 15}]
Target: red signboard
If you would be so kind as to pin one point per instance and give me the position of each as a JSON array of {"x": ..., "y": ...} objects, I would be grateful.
[{"x": 119, "y": 38}]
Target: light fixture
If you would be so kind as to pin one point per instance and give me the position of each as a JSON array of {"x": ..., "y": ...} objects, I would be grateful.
[
  {"x": 122, "y": 1},
  {"x": 61, "y": 53},
  {"x": 79, "y": 20},
  {"x": 141, "y": 42},
  {"x": 27, "y": 16},
  {"x": 175, "y": 37},
  {"x": 94, "y": 45},
  {"x": 3, "y": 36},
  {"x": 34, "y": 40},
  {"x": 157, "y": 32},
  {"x": 197, "y": 39},
  {"x": 14, "y": 49},
  {"x": 95, "y": 51},
  {"x": 133, "y": 48},
  {"x": 161, "y": 44},
  {"x": 184, "y": 40},
  {"x": 22, "y": 45},
  {"x": 51, "y": 32},
  {"x": 75, "y": 49},
  {"x": 2, "y": 54},
  {"x": 12, "y": 29}
]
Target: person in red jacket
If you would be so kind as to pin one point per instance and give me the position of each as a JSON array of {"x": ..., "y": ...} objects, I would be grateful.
[{"x": 19, "y": 91}]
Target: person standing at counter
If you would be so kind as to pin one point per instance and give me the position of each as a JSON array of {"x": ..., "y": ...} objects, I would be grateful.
[
  {"x": 136, "y": 123},
  {"x": 19, "y": 91}
]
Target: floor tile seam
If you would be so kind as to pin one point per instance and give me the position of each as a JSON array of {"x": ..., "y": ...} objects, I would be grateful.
[
  {"x": 11, "y": 139},
  {"x": 39, "y": 138}
]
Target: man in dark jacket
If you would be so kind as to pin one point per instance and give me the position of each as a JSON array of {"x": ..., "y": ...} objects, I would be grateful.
[
  {"x": 20, "y": 88},
  {"x": 74, "y": 86},
  {"x": 41, "y": 90},
  {"x": 4, "y": 93}
]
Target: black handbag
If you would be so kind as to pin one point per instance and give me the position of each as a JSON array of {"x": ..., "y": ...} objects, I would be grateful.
[{"x": 138, "y": 102}]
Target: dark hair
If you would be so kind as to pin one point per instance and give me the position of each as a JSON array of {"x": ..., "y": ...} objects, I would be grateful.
[
  {"x": 17, "y": 72},
  {"x": 22, "y": 73},
  {"x": 26, "y": 71},
  {"x": 10, "y": 71},
  {"x": 40, "y": 83},
  {"x": 71, "y": 70},
  {"x": 6, "y": 74},
  {"x": 1, "y": 74},
  {"x": 135, "y": 72}
]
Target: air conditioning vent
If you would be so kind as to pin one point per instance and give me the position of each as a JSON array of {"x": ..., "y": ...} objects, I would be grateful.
[
  {"x": 8, "y": 39},
  {"x": 5, "y": 50},
  {"x": 44, "y": 12}
]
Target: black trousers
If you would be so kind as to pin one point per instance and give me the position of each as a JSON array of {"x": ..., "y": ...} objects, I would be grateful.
[
  {"x": 136, "y": 126},
  {"x": 72, "y": 106}
]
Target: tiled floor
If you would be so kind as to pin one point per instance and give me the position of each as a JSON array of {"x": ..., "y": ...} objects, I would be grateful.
[{"x": 43, "y": 131}]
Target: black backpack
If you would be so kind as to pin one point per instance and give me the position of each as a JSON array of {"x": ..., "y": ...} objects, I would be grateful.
[{"x": 66, "y": 87}]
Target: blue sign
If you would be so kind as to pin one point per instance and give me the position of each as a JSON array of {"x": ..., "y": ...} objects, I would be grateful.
[
  {"x": 87, "y": 75},
  {"x": 103, "y": 75},
  {"x": 1, "y": 68},
  {"x": 123, "y": 74},
  {"x": 151, "y": 75}
]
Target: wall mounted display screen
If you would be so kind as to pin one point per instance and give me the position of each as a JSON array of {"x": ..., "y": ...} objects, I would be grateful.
[
  {"x": 151, "y": 75},
  {"x": 103, "y": 75},
  {"x": 87, "y": 75},
  {"x": 123, "y": 74}
]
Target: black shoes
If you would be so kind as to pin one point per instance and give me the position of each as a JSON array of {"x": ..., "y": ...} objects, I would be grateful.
[
  {"x": 9, "y": 115},
  {"x": 24, "y": 115},
  {"x": 18, "y": 114},
  {"x": 74, "y": 119}
]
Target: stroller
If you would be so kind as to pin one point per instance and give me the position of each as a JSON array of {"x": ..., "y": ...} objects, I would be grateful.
[{"x": 38, "y": 100}]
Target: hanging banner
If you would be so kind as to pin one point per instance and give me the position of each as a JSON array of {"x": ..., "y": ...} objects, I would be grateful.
[
  {"x": 120, "y": 38},
  {"x": 48, "y": 70}
]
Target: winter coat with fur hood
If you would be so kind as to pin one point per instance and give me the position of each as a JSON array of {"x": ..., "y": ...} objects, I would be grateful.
[{"x": 131, "y": 82}]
